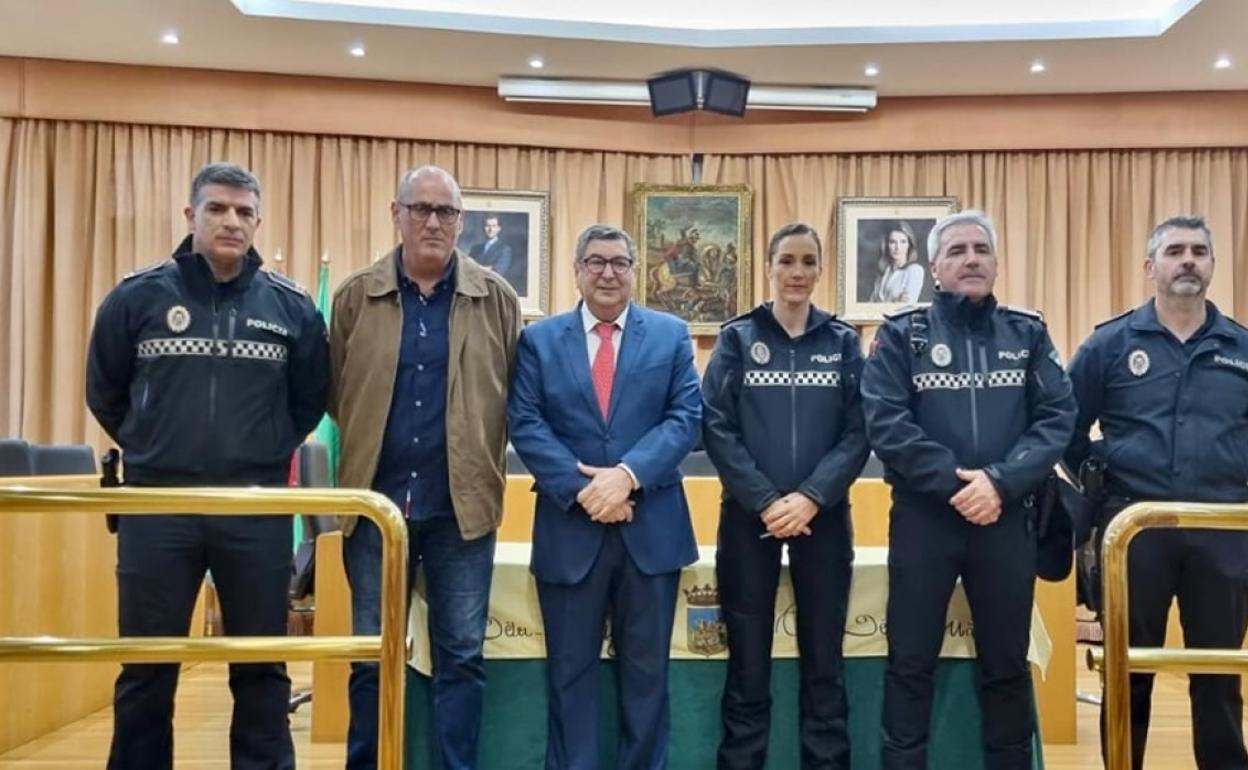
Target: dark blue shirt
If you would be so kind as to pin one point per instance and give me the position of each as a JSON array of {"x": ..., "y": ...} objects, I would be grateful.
[
  {"x": 1173, "y": 415},
  {"x": 412, "y": 469}
]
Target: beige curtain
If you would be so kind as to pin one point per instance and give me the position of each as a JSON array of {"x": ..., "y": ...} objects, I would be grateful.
[
  {"x": 1073, "y": 225},
  {"x": 82, "y": 204}
]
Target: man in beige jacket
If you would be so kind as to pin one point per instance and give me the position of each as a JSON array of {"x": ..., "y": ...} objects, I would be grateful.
[{"x": 421, "y": 347}]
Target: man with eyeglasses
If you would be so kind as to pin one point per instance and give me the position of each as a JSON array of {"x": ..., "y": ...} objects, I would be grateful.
[
  {"x": 604, "y": 405},
  {"x": 421, "y": 344}
]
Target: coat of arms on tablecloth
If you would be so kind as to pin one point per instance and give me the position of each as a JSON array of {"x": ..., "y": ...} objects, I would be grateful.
[{"x": 706, "y": 633}]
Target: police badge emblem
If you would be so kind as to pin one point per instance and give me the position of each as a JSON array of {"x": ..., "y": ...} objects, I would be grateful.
[
  {"x": 178, "y": 319},
  {"x": 941, "y": 355},
  {"x": 1138, "y": 362},
  {"x": 760, "y": 353}
]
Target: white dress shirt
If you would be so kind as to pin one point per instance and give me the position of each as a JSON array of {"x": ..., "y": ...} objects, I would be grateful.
[{"x": 592, "y": 340}]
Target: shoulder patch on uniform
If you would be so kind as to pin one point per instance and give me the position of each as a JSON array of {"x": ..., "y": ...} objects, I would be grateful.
[
  {"x": 905, "y": 311},
  {"x": 145, "y": 270},
  {"x": 1118, "y": 317},
  {"x": 286, "y": 283},
  {"x": 1024, "y": 311}
]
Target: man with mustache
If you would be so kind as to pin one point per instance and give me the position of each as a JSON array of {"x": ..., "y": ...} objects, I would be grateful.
[
  {"x": 421, "y": 343},
  {"x": 1168, "y": 383},
  {"x": 967, "y": 405}
]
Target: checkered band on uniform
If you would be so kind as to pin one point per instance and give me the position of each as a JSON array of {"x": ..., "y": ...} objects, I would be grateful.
[
  {"x": 263, "y": 351},
  {"x": 200, "y": 346},
  {"x": 1003, "y": 378},
  {"x": 761, "y": 378}
]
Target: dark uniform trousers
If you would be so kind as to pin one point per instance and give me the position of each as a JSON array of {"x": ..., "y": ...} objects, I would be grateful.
[
  {"x": 747, "y": 569},
  {"x": 161, "y": 562},
  {"x": 1207, "y": 571},
  {"x": 931, "y": 545}
]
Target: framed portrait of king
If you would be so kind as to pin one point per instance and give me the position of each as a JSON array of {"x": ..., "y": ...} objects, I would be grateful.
[
  {"x": 882, "y": 255},
  {"x": 508, "y": 231},
  {"x": 694, "y": 245}
]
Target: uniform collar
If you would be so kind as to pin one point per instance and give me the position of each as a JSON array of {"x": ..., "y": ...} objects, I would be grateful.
[
  {"x": 198, "y": 274},
  {"x": 960, "y": 309},
  {"x": 1145, "y": 319}
]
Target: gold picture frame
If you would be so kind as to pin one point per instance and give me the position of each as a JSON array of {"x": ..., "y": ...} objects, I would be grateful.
[
  {"x": 882, "y": 254},
  {"x": 694, "y": 247}
]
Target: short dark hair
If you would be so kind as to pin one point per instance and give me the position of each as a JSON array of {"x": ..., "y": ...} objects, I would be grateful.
[
  {"x": 227, "y": 174},
  {"x": 604, "y": 233},
  {"x": 1183, "y": 222},
  {"x": 793, "y": 228}
]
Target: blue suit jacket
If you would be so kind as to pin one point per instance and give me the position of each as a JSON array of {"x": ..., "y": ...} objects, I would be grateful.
[{"x": 653, "y": 422}]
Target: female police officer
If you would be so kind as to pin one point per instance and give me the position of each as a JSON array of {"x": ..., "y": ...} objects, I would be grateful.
[{"x": 783, "y": 426}]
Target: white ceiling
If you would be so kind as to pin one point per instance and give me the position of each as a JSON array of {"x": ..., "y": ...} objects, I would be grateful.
[{"x": 215, "y": 35}]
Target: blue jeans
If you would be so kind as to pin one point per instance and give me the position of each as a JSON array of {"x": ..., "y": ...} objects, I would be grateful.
[{"x": 457, "y": 580}]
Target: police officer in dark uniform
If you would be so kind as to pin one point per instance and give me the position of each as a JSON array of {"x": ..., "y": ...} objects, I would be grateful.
[
  {"x": 782, "y": 423},
  {"x": 208, "y": 371},
  {"x": 1168, "y": 383},
  {"x": 968, "y": 407}
]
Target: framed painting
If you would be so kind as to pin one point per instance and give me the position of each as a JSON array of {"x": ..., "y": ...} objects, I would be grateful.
[
  {"x": 882, "y": 254},
  {"x": 508, "y": 231},
  {"x": 694, "y": 256}
]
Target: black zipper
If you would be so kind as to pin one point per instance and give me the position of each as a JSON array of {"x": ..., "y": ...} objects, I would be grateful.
[
  {"x": 212, "y": 368},
  {"x": 793, "y": 412},
  {"x": 970, "y": 363}
]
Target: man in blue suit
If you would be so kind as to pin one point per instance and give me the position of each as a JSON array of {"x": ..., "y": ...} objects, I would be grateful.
[
  {"x": 603, "y": 407},
  {"x": 493, "y": 252}
]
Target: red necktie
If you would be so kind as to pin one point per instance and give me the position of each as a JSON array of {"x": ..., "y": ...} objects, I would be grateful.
[{"x": 603, "y": 370}]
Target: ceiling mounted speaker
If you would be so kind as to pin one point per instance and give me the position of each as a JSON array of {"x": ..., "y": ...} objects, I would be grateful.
[
  {"x": 725, "y": 93},
  {"x": 673, "y": 92}
]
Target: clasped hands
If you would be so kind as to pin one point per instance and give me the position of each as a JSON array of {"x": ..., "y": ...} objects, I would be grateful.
[
  {"x": 606, "y": 497},
  {"x": 789, "y": 516},
  {"x": 978, "y": 501}
]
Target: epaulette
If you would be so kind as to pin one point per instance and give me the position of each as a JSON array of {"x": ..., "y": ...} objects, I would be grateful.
[
  {"x": 286, "y": 283},
  {"x": 1237, "y": 323},
  {"x": 145, "y": 270},
  {"x": 737, "y": 318},
  {"x": 905, "y": 311},
  {"x": 1118, "y": 317},
  {"x": 844, "y": 323},
  {"x": 1035, "y": 315}
]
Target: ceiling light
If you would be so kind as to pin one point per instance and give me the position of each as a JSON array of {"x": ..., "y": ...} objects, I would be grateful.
[
  {"x": 1037, "y": 67},
  {"x": 537, "y": 63},
  {"x": 871, "y": 70},
  {"x": 170, "y": 38},
  {"x": 1223, "y": 63},
  {"x": 357, "y": 51}
]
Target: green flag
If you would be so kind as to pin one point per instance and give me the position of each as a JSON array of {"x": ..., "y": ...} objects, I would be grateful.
[{"x": 327, "y": 432}]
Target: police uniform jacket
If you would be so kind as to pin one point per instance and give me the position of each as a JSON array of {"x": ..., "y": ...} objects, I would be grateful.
[
  {"x": 783, "y": 414},
  {"x": 1174, "y": 416},
  {"x": 960, "y": 385},
  {"x": 205, "y": 382}
]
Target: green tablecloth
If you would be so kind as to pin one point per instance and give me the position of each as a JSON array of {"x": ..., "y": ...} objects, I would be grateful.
[{"x": 513, "y": 735}]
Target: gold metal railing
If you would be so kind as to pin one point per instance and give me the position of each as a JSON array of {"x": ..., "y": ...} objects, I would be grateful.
[
  {"x": 1117, "y": 659},
  {"x": 390, "y": 648}
]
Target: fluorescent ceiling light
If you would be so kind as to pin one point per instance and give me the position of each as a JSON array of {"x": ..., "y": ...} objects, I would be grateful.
[
  {"x": 635, "y": 93},
  {"x": 170, "y": 38},
  {"x": 731, "y": 23}
]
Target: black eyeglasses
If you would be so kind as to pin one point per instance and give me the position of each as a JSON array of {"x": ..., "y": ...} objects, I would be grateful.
[
  {"x": 421, "y": 211},
  {"x": 597, "y": 265}
]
